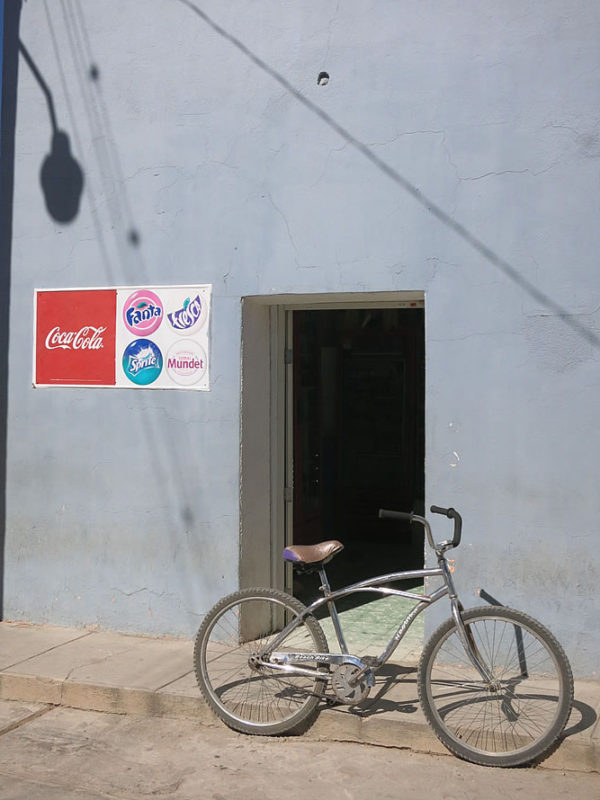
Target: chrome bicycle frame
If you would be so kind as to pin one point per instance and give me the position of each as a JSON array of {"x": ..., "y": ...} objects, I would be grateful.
[{"x": 291, "y": 662}]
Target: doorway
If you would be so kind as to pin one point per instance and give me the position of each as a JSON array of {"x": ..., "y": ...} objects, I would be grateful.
[{"x": 356, "y": 441}]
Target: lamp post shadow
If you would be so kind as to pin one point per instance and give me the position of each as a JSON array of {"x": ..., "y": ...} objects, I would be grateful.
[{"x": 61, "y": 177}]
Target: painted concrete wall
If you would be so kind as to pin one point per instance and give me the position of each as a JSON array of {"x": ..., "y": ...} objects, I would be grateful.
[{"x": 453, "y": 151}]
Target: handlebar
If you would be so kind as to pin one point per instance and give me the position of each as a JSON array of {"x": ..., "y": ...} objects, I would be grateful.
[
  {"x": 409, "y": 516},
  {"x": 385, "y": 513},
  {"x": 452, "y": 514}
]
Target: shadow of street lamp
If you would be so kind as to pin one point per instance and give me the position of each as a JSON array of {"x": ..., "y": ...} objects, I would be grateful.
[{"x": 61, "y": 177}]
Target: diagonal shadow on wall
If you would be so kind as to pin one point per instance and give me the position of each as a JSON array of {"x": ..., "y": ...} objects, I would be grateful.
[{"x": 488, "y": 254}]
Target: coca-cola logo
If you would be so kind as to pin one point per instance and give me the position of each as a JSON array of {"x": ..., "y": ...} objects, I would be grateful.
[
  {"x": 75, "y": 337},
  {"x": 86, "y": 338}
]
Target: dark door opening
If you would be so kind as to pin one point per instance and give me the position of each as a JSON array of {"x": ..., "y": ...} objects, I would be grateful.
[{"x": 358, "y": 441}]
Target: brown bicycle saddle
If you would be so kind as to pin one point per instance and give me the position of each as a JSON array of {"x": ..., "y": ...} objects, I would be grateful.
[{"x": 313, "y": 554}]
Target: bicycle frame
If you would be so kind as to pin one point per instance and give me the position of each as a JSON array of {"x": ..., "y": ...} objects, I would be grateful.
[
  {"x": 286, "y": 659},
  {"x": 289, "y": 661}
]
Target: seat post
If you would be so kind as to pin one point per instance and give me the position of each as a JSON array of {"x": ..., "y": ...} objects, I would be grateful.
[{"x": 326, "y": 589}]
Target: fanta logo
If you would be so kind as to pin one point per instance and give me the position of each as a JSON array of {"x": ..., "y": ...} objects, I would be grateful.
[
  {"x": 185, "y": 318},
  {"x": 86, "y": 338},
  {"x": 142, "y": 312},
  {"x": 142, "y": 362}
]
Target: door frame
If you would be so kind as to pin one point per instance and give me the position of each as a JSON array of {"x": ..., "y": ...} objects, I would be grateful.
[{"x": 266, "y": 423}]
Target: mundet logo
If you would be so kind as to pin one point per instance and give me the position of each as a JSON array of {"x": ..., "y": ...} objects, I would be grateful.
[
  {"x": 86, "y": 338},
  {"x": 186, "y": 362}
]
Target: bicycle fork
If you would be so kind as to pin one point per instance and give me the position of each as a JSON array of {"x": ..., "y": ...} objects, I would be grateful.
[{"x": 464, "y": 634}]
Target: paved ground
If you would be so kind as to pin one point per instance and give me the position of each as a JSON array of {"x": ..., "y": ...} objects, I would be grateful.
[
  {"x": 66, "y": 754},
  {"x": 142, "y": 676}
]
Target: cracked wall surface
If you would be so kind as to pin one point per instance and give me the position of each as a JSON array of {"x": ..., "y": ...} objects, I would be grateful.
[{"x": 454, "y": 151}]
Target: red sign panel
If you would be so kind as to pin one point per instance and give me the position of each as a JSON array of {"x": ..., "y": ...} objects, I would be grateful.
[{"x": 75, "y": 337}]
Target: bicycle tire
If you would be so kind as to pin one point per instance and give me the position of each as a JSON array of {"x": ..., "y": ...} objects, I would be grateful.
[
  {"x": 518, "y": 720},
  {"x": 246, "y": 698}
]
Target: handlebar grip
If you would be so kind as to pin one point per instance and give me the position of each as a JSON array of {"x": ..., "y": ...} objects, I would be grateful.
[
  {"x": 451, "y": 513},
  {"x": 438, "y": 510},
  {"x": 385, "y": 513}
]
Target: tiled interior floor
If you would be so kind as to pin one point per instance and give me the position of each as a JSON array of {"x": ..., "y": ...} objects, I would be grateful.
[{"x": 368, "y": 628}]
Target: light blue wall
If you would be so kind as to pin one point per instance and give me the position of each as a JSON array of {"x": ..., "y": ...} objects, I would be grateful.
[{"x": 454, "y": 151}]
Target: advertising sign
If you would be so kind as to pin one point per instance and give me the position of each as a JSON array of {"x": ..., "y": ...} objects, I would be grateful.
[{"x": 127, "y": 337}]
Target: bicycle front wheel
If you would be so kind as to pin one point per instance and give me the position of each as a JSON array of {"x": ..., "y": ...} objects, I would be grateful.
[
  {"x": 247, "y": 695},
  {"x": 518, "y": 715}
]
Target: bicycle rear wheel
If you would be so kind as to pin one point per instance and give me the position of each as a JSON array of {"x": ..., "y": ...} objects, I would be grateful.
[
  {"x": 248, "y": 697},
  {"x": 517, "y": 718}
]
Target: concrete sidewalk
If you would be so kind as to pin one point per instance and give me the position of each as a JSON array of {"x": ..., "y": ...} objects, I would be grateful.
[{"x": 122, "y": 674}]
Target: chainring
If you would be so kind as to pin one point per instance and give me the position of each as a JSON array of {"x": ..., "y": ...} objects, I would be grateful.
[{"x": 344, "y": 691}]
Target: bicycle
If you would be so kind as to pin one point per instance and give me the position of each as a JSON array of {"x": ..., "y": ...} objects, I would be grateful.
[{"x": 495, "y": 685}]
